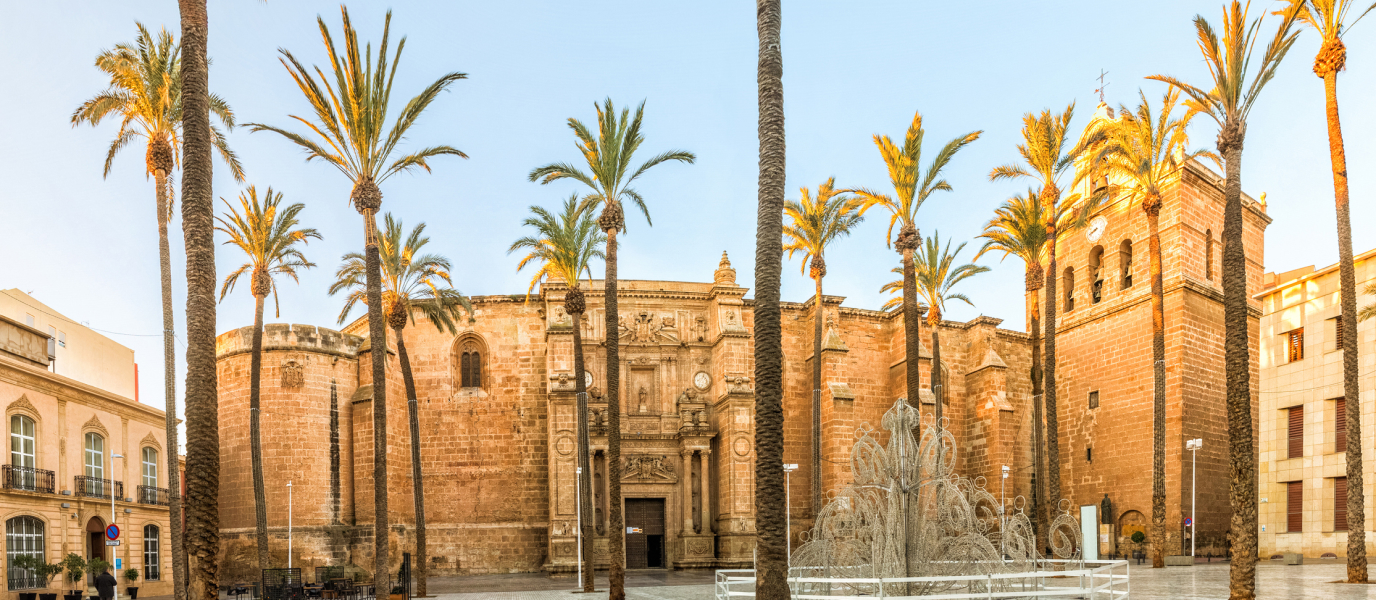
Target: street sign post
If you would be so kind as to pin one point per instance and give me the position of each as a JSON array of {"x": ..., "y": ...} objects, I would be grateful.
[
  {"x": 112, "y": 532},
  {"x": 111, "y": 542}
]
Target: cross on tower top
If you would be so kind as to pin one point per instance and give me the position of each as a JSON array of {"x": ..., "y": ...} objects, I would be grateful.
[{"x": 1102, "y": 84}]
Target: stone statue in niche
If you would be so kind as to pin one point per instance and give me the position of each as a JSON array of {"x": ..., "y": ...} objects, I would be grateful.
[
  {"x": 293, "y": 375},
  {"x": 700, "y": 328},
  {"x": 641, "y": 396},
  {"x": 623, "y": 330}
]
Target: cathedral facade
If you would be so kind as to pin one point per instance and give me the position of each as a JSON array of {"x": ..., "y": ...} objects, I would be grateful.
[{"x": 497, "y": 423}]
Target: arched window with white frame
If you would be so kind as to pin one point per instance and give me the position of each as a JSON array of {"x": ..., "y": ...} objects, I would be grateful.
[
  {"x": 23, "y": 454},
  {"x": 24, "y": 537},
  {"x": 152, "y": 553}
]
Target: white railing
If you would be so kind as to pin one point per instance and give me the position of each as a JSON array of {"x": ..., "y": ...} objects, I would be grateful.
[{"x": 1097, "y": 580}]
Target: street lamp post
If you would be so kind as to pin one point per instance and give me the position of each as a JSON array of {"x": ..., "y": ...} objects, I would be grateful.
[
  {"x": 1003, "y": 511},
  {"x": 288, "y": 523},
  {"x": 788, "y": 513},
  {"x": 1193, "y": 446},
  {"x": 112, "y": 506}
]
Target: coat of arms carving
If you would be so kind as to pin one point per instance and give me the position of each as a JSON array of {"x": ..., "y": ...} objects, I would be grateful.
[
  {"x": 293, "y": 375},
  {"x": 646, "y": 466}
]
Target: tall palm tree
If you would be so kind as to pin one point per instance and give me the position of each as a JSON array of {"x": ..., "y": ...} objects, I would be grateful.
[
  {"x": 1330, "y": 19},
  {"x": 411, "y": 282},
  {"x": 813, "y": 224},
  {"x": 351, "y": 135},
  {"x": 1142, "y": 154},
  {"x": 563, "y": 245},
  {"x": 911, "y": 188},
  {"x": 1046, "y": 160},
  {"x": 1018, "y": 228},
  {"x": 936, "y": 275},
  {"x": 1231, "y": 93},
  {"x": 269, "y": 237},
  {"x": 609, "y": 176},
  {"x": 771, "y": 565},
  {"x": 145, "y": 93}
]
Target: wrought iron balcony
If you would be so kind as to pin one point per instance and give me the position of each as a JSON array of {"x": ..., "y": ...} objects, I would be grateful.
[
  {"x": 24, "y": 579},
  {"x": 153, "y": 495},
  {"x": 95, "y": 487},
  {"x": 27, "y": 479}
]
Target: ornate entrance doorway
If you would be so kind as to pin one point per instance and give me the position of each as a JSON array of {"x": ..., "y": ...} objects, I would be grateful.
[
  {"x": 95, "y": 538},
  {"x": 645, "y": 537}
]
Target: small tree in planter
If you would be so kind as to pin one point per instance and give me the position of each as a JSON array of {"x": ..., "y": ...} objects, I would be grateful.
[
  {"x": 76, "y": 570},
  {"x": 1138, "y": 538},
  {"x": 40, "y": 569},
  {"x": 131, "y": 575}
]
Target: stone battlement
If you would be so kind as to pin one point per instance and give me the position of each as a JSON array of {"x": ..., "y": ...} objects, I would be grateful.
[{"x": 287, "y": 336}]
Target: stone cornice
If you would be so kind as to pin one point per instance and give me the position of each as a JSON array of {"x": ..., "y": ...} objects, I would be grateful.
[
  {"x": 1187, "y": 284},
  {"x": 65, "y": 388}
]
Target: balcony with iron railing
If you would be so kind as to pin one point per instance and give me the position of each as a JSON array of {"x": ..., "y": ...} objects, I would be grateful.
[
  {"x": 153, "y": 495},
  {"x": 27, "y": 479},
  {"x": 95, "y": 487}
]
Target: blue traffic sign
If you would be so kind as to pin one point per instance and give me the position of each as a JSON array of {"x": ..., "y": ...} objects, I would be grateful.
[
  {"x": 112, "y": 532},
  {"x": 1189, "y": 521}
]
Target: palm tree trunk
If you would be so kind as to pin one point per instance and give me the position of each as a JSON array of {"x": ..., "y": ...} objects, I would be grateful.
[
  {"x": 1053, "y": 446},
  {"x": 1347, "y": 289},
  {"x": 202, "y": 403},
  {"x": 169, "y": 354},
  {"x": 817, "y": 403},
  {"x": 1158, "y": 370},
  {"x": 938, "y": 386},
  {"x": 382, "y": 576},
  {"x": 584, "y": 459},
  {"x": 912, "y": 341},
  {"x": 417, "y": 477},
  {"x": 771, "y": 536},
  {"x": 255, "y": 438},
  {"x": 1038, "y": 468},
  {"x": 1242, "y": 450},
  {"x": 616, "y": 534}
]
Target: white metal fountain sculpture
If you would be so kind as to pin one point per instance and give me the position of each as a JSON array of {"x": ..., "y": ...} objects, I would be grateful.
[{"x": 907, "y": 514}]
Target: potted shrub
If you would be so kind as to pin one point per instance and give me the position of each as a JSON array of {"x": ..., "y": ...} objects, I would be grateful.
[
  {"x": 75, "y": 566},
  {"x": 94, "y": 568},
  {"x": 27, "y": 563},
  {"x": 47, "y": 571},
  {"x": 131, "y": 575}
]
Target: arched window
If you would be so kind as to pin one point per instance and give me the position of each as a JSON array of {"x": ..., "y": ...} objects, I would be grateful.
[
  {"x": 23, "y": 537},
  {"x": 1125, "y": 260},
  {"x": 95, "y": 456},
  {"x": 469, "y": 362},
  {"x": 1209, "y": 254},
  {"x": 1069, "y": 303},
  {"x": 1096, "y": 274},
  {"x": 150, "y": 466},
  {"x": 152, "y": 553}
]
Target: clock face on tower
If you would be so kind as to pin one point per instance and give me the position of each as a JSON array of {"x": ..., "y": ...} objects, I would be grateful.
[
  {"x": 702, "y": 380},
  {"x": 1096, "y": 229},
  {"x": 587, "y": 379}
]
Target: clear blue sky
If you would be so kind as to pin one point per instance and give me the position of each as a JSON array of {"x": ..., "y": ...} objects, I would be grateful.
[{"x": 87, "y": 245}]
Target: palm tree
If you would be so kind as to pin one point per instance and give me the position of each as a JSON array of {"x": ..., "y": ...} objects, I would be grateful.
[
  {"x": 936, "y": 276},
  {"x": 268, "y": 237},
  {"x": 1143, "y": 152},
  {"x": 145, "y": 93},
  {"x": 1046, "y": 161},
  {"x": 1229, "y": 99},
  {"x": 911, "y": 189},
  {"x": 411, "y": 282},
  {"x": 563, "y": 245},
  {"x": 609, "y": 176},
  {"x": 1329, "y": 19},
  {"x": 351, "y": 135},
  {"x": 1018, "y": 228},
  {"x": 813, "y": 225},
  {"x": 771, "y": 565}
]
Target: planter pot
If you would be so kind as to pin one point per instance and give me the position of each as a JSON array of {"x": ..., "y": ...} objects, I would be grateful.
[
  {"x": 47, "y": 597},
  {"x": 133, "y": 592},
  {"x": 28, "y": 595},
  {"x": 391, "y": 597}
]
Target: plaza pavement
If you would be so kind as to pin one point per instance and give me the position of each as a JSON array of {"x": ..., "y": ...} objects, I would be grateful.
[{"x": 1203, "y": 581}]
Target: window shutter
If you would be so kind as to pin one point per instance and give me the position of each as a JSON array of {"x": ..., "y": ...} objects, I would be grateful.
[
  {"x": 1338, "y": 333},
  {"x": 1294, "y": 507},
  {"x": 1340, "y": 425},
  {"x": 1295, "y": 345},
  {"x": 1340, "y": 504},
  {"x": 1296, "y": 438}
]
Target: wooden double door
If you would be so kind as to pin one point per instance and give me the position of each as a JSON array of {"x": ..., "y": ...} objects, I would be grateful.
[{"x": 645, "y": 540}]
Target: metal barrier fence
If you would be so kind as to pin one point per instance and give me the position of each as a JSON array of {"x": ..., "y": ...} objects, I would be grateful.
[{"x": 1097, "y": 580}]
